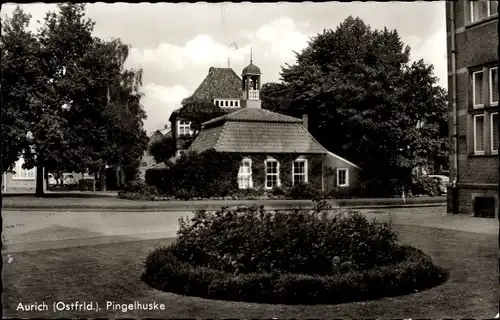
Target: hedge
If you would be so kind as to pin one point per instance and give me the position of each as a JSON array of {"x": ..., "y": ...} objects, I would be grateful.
[{"x": 416, "y": 272}]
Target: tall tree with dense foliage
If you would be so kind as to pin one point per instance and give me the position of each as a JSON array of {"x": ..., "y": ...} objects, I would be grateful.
[
  {"x": 81, "y": 106},
  {"x": 366, "y": 101},
  {"x": 20, "y": 80}
]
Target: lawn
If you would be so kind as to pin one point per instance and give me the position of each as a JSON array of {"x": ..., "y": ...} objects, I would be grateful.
[{"x": 112, "y": 273}]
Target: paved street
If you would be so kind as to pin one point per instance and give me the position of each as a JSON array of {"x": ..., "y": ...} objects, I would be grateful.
[{"x": 35, "y": 230}]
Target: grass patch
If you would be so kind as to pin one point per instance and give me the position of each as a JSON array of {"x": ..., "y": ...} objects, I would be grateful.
[{"x": 112, "y": 272}]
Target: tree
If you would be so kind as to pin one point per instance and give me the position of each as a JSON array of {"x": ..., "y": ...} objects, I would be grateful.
[
  {"x": 64, "y": 39},
  {"x": 365, "y": 100},
  {"x": 163, "y": 149},
  {"x": 274, "y": 96},
  {"x": 20, "y": 69}
]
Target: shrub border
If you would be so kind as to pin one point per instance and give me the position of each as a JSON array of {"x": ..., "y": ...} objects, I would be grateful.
[{"x": 165, "y": 272}]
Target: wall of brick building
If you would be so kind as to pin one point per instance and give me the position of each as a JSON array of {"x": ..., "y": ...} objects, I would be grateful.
[{"x": 476, "y": 47}]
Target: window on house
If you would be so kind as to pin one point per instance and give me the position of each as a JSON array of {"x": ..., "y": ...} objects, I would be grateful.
[
  {"x": 494, "y": 132},
  {"x": 299, "y": 171},
  {"x": 272, "y": 173},
  {"x": 482, "y": 9},
  {"x": 216, "y": 102},
  {"x": 477, "y": 89},
  {"x": 236, "y": 103},
  {"x": 144, "y": 164},
  {"x": 21, "y": 173},
  {"x": 494, "y": 86},
  {"x": 226, "y": 103},
  {"x": 245, "y": 174},
  {"x": 479, "y": 134},
  {"x": 184, "y": 128},
  {"x": 231, "y": 103},
  {"x": 342, "y": 177}
]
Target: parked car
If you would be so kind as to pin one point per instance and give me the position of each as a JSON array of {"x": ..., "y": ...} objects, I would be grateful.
[
  {"x": 52, "y": 181},
  {"x": 69, "y": 179},
  {"x": 443, "y": 182}
]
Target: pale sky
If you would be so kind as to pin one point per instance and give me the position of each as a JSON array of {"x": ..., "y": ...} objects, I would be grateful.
[{"x": 176, "y": 44}]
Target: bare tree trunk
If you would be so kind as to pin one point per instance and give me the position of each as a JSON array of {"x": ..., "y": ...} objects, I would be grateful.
[
  {"x": 39, "y": 192},
  {"x": 94, "y": 181},
  {"x": 103, "y": 178}
]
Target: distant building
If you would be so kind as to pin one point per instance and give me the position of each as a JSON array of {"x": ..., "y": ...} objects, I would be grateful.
[
  {"x": 147, "y": 160},
  {"x": 472, "y": 50},
  {"x": 222, "y": 86},
  {"x": 21, "y": 180},
  {"x": 275, "y": 149}
]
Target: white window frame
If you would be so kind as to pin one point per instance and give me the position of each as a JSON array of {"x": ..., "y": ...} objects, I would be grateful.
[
  {"x": 183, "y": 124},
  {"x": 277, "y": 174},
  {"x": 488, "y": 10},
  {"x": 492, "y": 130},
  {"x": 237, "y": 103},
  {"x": 23, "y": 174},
  {"x": 144, "y": 164},
  {"x": 492, "y": 103},
  {"x": 346, "y": 184},
  {"x": 178, "y": 153},
  {"x": 245, "y": 175},
  {"x": 305, "y": 174},
  {"x": 475, "y": 130},
  {"x": 474, "y": 89}
]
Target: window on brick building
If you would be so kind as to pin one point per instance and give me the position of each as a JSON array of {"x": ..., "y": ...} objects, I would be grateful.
[
  {"x": 245, "y": 174},
  {"x": 493, "y": 86},
  {"x": 342, "y": 177},
  {"x": 272, "y": 173},
  {"x": 299, "y": 168},
  {"x": 477, "y": 89},
  {"x": 482, "y": 9},
  {"x": 479, "y": 134},
  {"x": 494, "y": 132}
]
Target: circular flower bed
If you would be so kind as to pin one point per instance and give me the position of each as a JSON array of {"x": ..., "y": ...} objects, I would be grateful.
[{"x": 253, "y": 255}]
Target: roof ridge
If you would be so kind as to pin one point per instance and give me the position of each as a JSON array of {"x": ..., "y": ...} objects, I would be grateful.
[{"x": 312, "y": 137}]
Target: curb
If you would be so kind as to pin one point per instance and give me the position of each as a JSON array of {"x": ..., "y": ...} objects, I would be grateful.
[{"x": 210, "y": 207}]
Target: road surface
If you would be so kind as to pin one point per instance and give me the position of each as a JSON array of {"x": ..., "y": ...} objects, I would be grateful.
[{"x": 38, "y": 230}]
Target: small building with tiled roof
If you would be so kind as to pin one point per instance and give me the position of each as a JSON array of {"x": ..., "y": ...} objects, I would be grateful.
[{"x": 275, "y": 149}]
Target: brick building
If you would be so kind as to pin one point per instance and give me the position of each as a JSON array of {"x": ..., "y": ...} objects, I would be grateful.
[
  {"x": 472, "y": 40},
  {"x": 275, "y": 149}
]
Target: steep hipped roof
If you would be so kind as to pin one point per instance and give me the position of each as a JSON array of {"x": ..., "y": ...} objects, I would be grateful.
[
  {"x": 220, "y": 83},
  {"x": 253, "y": 115},
  {"x": 256, "y": 131}
]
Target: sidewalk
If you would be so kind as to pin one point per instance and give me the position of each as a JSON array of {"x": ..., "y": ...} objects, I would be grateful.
[{"x": 100, "y": 201}]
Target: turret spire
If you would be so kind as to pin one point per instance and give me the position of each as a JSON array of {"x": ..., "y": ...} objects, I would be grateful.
[{"x": 251, "y": 55}]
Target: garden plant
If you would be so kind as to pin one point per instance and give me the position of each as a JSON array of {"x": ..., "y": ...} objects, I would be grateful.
[{"x": 289, "y": 257}]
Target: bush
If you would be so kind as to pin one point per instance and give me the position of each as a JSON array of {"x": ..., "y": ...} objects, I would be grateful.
[
  {"x": 138, "y": 190},
  {"x": 425, "y": 186},
  {"x": 250, "y": 254},
  {"x": 303, "y": 191},
  {"x": 205, "y": 175}
]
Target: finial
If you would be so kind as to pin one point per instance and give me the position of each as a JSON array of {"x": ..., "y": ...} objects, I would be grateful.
[{"x": 251, "y": 55}]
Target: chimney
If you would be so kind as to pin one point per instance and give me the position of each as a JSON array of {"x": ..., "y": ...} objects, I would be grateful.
[
  {"x": 165, "y": 126},
  {"x": 305, "y": 121}
]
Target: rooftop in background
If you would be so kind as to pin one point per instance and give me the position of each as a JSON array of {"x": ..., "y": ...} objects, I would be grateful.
[{"x": 220, "y": 83}]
